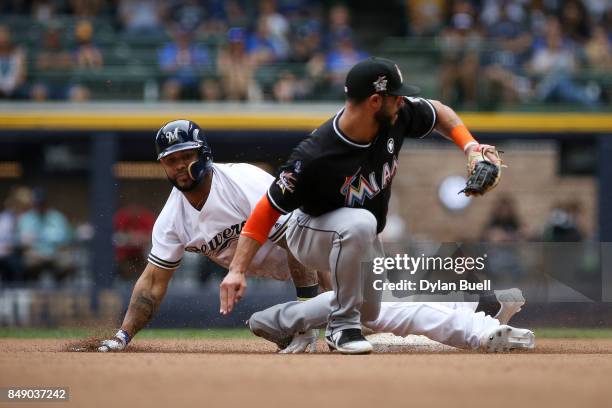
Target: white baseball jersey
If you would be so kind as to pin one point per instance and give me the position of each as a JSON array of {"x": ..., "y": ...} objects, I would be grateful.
[{"x": 214, "y": 230}]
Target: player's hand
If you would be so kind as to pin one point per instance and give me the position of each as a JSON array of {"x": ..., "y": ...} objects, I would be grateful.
[
  {"x": 484, "y": 166},
  {"x": 231, "y": 291},
  {"x": 117, "y": 343},
  {"x": 480, "y": 152}
]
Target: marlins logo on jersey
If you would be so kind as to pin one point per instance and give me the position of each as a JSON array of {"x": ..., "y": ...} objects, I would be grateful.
[
  {"x": 356, "y": 192},
  {"x": 286, "y": 181}
]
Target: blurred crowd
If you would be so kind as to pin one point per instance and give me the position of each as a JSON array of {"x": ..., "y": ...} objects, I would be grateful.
[
  {"x": 489, "y": 51},
  {"x": 511, "y": 51},
  {"x": 33, "y": 237},
  {"x": 38, "y": 243},
  {"x": 209, "y": 50}
]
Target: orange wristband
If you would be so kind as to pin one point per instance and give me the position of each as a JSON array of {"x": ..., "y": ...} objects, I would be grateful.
[
  {"x": 462, "y": 137},
  {"x": 261, "y": 221}
]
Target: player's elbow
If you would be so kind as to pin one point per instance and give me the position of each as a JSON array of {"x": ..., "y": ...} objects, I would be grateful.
[
  {"x": 154, "y": 278},
  {"x": 441, "y": 109},
  {"x": 446, "y": 118}
]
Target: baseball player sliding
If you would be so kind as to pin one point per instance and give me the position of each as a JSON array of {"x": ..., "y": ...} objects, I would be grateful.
[
  {"x": 337, "y": 183},
  {"x": 205, "y": 213}
]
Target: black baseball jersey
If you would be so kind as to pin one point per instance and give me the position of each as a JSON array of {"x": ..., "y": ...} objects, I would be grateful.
[{"x": 327, "y": 170}]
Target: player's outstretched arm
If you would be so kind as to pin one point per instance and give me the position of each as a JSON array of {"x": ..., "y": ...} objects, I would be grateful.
[
  {"x": 484, "y": 163},
  {"x": 234, "y": 284},
  {"x": 147, "y": 295},
  {"x": 254, "y": 234},
  {"x": 450, "y": 125}
]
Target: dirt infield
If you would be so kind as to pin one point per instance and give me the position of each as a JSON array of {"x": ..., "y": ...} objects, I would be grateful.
[{"x": 247, "y": 373}]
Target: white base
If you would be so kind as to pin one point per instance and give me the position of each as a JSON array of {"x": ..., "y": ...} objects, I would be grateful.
[{"x": 389, "y": 343}]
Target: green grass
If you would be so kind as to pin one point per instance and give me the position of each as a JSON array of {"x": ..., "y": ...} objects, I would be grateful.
[
  {"x": 69, "y": 333},
  {"x": 573, "y": 333},
  {"x": 75, "y": 333}
]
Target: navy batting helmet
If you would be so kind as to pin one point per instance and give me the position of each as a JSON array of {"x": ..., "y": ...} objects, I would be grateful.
[{"x": 181, "y": 135}]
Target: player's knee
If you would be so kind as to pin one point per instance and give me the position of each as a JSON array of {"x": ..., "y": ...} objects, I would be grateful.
[
  {"x": 255, "y": 322},
  {"x": 362, "y": 225}
]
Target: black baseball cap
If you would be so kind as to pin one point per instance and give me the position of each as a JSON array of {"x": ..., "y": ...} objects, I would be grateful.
[{"x": 377, "y": 75}]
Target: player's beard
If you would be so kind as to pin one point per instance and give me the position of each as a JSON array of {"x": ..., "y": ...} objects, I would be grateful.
[
  {"x": 185, "y": 188},
  {"x": 384, "y": 120}
]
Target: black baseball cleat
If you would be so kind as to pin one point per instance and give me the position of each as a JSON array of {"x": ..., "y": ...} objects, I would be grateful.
[{"x": 349, "y": 341}]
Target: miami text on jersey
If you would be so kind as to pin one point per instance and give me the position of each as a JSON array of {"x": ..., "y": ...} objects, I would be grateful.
[
  {"x": 366, "y": 188},
  {"x": 219, "y": 241}
]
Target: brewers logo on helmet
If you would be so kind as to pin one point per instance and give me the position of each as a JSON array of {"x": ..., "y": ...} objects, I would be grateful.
[{"x": 181, "y": 135}]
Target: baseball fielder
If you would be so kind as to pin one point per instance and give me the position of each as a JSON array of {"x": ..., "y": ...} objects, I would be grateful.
[
  {"x": 205, "y": 213},
  {"x": 338, "y": 182}
]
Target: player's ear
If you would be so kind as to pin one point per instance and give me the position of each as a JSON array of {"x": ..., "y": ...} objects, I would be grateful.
[{"x": 375, "y": 101}]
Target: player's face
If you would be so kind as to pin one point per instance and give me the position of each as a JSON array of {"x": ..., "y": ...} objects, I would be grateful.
[
  {"x": 387, "y": 114},
  {"x": 176, "y": 166}
]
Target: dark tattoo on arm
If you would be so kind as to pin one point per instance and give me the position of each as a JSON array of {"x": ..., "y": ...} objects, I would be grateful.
[{"x": 141, "y": 311}]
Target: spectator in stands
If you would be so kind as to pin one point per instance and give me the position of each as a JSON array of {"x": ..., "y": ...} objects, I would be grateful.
[
  {"x": 211, "y": 90},
  {"x": 79, "y": 93},
  {"x": 45, "y": 235},
  {"x": 564, "y": 262},
  {"x": 307, "y": 42},
  {"x": 503, "y": 64},
  {"x": 188, "y": 14},
  {"x": 343, "y": 55},
  {"x": 553, "y": 66},
  {"x": 504, "y": 223},
  {"x": 598, "y": 51},
  {"x": 133, "y": 225},
  {"x": 43, "y": 11},
  {"x": 288, "y": 88},
  {"x": 235, "y": 67},
  {"x": 18, "y": 201},
  {"x": 52, "y": 58},
  {"x": 460, "y": 44},
  {"x": 224, "y": 14},
  {"x": 260, "y": 45},
  {"x": 575, "y": 21},
  {"x": 87, "y": 8},
  {"x": 307, "y": 50},
  {"x": 504, "y": 262},
  {"x": 424, "y": 17},
  {"x": 182, "y": 61},
  {"x": 142, "y": 16},
  {"x": 277, "y": 28},
  {"x": 537, "y": 13},
  {"x": 339, "y": 24},
  {"x": 563, "y": 224},
  {"x": 13, "y": 66},
  {"x": 495, "y": 12},
  {"x": 87, "y": 54},
  {"x": 607, "y": 22}
]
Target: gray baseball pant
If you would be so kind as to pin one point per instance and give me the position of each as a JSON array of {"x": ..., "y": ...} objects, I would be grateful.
[{"x": 343, "y": 241}]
